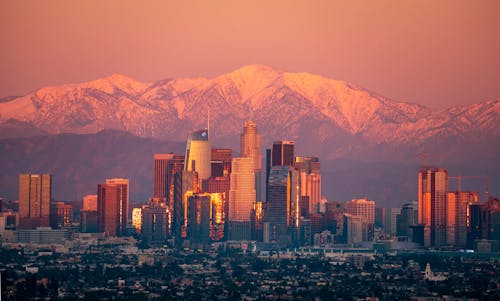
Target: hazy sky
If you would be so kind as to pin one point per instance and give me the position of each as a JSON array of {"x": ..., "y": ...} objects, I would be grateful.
[{"x": 437, "y": 53}]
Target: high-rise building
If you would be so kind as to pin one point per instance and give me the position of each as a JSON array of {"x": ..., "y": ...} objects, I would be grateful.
[
  {"x": 61, "y": 215},
  {"x": 379, "y": 217},
  {"x": 198, "y": 154},
  {"x": 221, "y": 162},
  {"x": 390, "y": 222},
  {"x": 476, "y": 223},
  {"x": 362, "y": 207},
  {"x": 185, "y": 184},
  {"x": 282, "y": 153},
  {"x": 310, "y": 180},
  {"x": 250, "y": 144},
  {"x": 493, "y": 213},
  {"x": 90, "y": 202},
  {"x": 137, "y": 219},
  {"x": 432, "y": 192},
  {"x": 89, "y": 216},
  {"x": 283, "y": 205},
  {"x": 35, "y": 193},
  {"x": 112, "y": 206},
  {"x": 241, "y": 198},
  {"x": 204, "y": 216},
  {"x": 407, "y": 218},
  {"x": 250, "y": 147},
  {"x": 355, "y": 228},
  {"x": 154, "y": 226},
  {"x": 160, "y": 185},
  {"x": 457, "y": 211}
]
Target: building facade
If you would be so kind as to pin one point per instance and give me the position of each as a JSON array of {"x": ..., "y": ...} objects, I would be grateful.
[
  {"x": 432, "y": 194},
  {"x": 35, "y": 193}
]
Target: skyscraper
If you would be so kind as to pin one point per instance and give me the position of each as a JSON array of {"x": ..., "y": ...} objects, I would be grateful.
[
  {"x": 241, "y": 198},
  {"x": 310, "y": 180},
  {"x": 199, "y": 218},
  {"x": 185, "y": 184},
  {"x": 282, "y": 153},
  {"x": 221, "y": 162},
  {"x": 61, "y": 215},
  {"x": 198, "y": 154},
  {"x": 283, "y": 205},
  {"x": 250, "y": 144},
  {"x": 154, "y": 224},
  {"x": 362, "y": 207},
  {"x": 112, "y": 206},
  {"x": 160, "y": 185},
  {"x": 35, "y": 192},
  {"x": 457, "y": 210},
  {"x": 432, "y": 189},
  {"x": 174, "y": 165}
]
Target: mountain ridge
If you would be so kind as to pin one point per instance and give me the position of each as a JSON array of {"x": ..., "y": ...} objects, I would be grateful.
[{"x": 162, "y": 108}]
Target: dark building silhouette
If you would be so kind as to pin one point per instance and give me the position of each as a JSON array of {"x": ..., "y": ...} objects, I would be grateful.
[
  {"x": 154, "y": 222},
  {"x": 282, "y": 153},
  {"x": 61, "y": 215}
]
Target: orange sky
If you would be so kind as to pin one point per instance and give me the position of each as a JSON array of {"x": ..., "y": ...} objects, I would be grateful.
[{"x": 437, "y": 53}]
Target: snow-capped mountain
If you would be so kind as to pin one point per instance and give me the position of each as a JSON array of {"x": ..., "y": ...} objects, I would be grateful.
[{"x": 299, "y": 106}]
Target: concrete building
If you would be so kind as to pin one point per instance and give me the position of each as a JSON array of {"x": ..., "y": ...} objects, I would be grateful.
[
  {"x": 35, "y": 193},
  {"x": 160, "y": 185},
  {"x": 112, "y": 206}
]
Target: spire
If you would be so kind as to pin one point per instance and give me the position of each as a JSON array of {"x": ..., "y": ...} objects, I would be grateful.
[{"x": 208, "y": 123}]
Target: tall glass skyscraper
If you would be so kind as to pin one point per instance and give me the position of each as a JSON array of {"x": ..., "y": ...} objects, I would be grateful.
[
  {"x": 198, "y": 154},
  {"x": 432, "y": 201},
  {"x": 241, "y": 198}
]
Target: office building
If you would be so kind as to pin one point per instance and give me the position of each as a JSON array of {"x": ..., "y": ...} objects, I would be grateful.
[
  {"x": 362, "y": 207},
  {"x": 112, "y": 206},
  {"x": 310, "y": 180},
  {"x": 137, "y": 219},
  {"x": 160, "y": 185},
  {"x": 90, "y": 202},
  {"x": 250, "y": 147},
  {"x": 477, "y": 223},
  {"x": 282, "y": 153},
  {"x": 221, "y": 162},
  {"x": 35, "y": 193},
  {"x": 154, "y": 223},
  {"x": 407, "y": 218},
  {"x": 493, "y": 212},
  {"x": 198, "y": 154},
  {"x": 199, "y": 216},
  {"x": 61, "y": 215},
  {"x": 89, "y": 216},
  {"x": 282, "y": 212},
  {"x": 432, "y": 193},
  {"x": 355, "y": 229},
  {"x": 457, "y": 210},
  {"x": 241, "y": 198},
  {"x": 185, "y": 184}
]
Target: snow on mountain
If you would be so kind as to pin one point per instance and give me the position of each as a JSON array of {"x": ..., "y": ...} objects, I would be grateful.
[{"x": 282, "y": 103}]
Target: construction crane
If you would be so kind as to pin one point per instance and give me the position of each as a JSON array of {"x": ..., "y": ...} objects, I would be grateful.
[{"x": 459, "y": 181}]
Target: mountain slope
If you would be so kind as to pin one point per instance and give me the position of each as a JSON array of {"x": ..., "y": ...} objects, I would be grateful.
[{"x": 283, "y": 104}]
